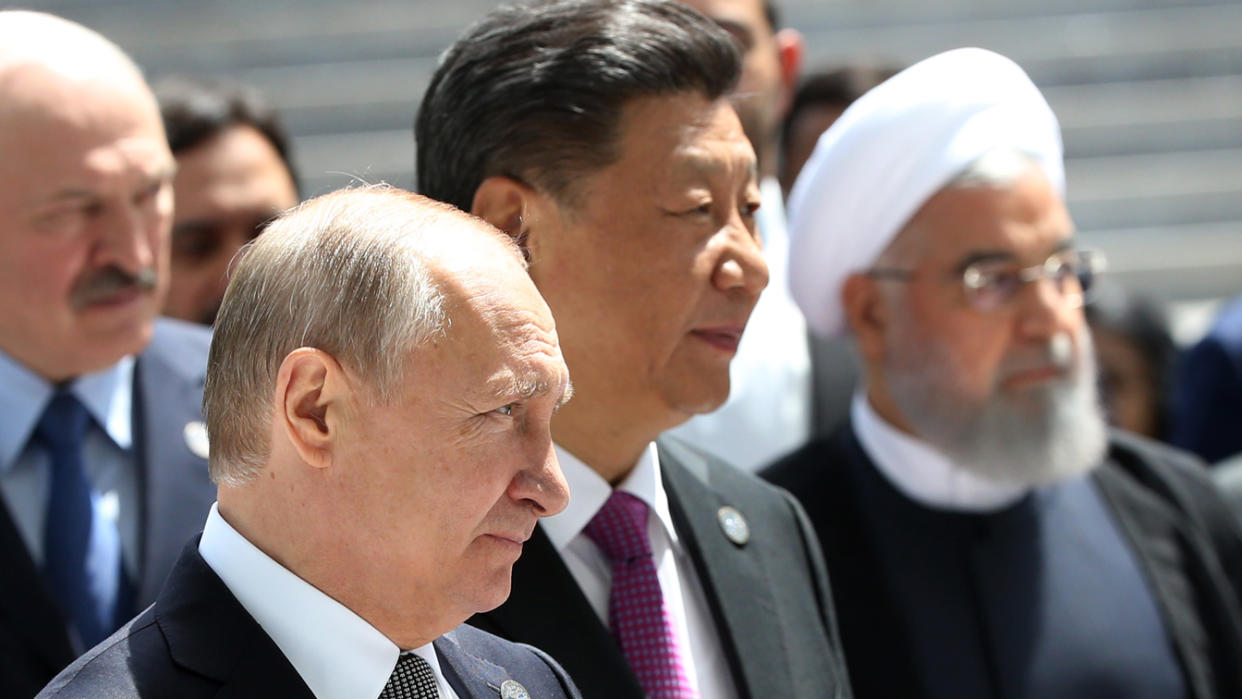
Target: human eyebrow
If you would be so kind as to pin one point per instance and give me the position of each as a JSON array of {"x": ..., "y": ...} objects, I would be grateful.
[{"x": 983, "y": 256}]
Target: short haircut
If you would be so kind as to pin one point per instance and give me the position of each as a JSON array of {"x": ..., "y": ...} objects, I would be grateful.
[
  {"x": 836, "y": 87},
  {"x": 196, "y": 110},
  {"x": 535, "y": 91},
  {"x": 350, "y": 273}
]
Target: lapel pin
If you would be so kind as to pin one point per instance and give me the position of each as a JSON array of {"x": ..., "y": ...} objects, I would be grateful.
[
  {"x": 512, "y": 690},
  {"x": 734, "y": 525},
  {"x": 196, "y": 439}
]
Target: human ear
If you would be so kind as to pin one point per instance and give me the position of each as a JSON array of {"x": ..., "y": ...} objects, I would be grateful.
[
  {"x": 866, "y": 312},
  {"x": 309, "y": 389},
  {"x": 790, "y": 48},
  {"x": 503, "y": 202}
]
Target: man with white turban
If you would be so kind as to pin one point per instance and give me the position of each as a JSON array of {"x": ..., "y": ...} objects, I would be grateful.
[{"x": 986, "y": 534}]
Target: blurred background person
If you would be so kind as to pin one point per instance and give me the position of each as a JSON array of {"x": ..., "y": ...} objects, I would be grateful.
[
  {"x": 1136, "y": 355},
  {"x": 987, "y": 534},
  {"x": 103, "y": 451},
  {"x": 820, "y": 99},
  {"x": 1208, "y": 418},
  {"x": 769, "y": 407},
  {"x": 234, "y": 174}
]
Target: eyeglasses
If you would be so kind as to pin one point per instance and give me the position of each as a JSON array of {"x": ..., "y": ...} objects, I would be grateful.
[{"x": 991, "y": 284}]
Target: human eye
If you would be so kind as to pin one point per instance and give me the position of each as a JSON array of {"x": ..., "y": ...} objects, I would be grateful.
[
  {"x": 990, "y": 286},
  {"x": 506, "y": 410}
]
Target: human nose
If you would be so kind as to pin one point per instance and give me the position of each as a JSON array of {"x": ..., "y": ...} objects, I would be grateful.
[
  {"x": 742, "y": 265},
  {"x": 127, "y": 238},
  {"x": 1047, "y": 310},
  {"x": 542, "y": 484}
]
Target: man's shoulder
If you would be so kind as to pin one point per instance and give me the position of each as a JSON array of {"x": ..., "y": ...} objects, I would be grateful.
[
  {"x": 133, "y": 662},
  {"x": 683, "y": 460},
  {"x": 807, "y": 468},
  {"x": 477, "y": 656}
]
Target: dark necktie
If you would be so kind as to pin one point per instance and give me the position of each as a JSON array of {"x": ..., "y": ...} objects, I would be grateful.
[
  {"x": 636, "y": 611},
  {"x": 413, "y": 678},
  {"x": 81, "y": 556}
]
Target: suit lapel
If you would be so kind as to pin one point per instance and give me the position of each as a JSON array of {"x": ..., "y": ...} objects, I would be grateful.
[
  {"x": 210, "y": 633},
  {"x": 26, "y": 601},
  {"x": 733, "y": 577},
  {"x": 546, "y": 609},
  {"x": 177, "y": 491},
  {"x": 470, "y": 676}
]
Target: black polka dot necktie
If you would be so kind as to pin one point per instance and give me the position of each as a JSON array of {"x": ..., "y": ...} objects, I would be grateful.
[{"x": 413, "y": 678}]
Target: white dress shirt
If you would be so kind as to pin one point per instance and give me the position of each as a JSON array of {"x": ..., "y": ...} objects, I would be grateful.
[
  {"x": 768, "y": 412},
  {"x": 921, "y": 472},
  {"x": 336, "y": 652},
  {"x": 26, "y": 471},
  {"x": 694, "y": 628}
]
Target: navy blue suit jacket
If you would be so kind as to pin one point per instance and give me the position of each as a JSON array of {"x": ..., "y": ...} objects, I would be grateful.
[
  {"x": 176, "y": 495},
  {"x": 198, "y": 641},
  {"x": 1208, "y": 403}
]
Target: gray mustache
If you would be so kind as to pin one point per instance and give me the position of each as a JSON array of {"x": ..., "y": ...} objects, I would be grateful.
[{"x": 110, "y": 280}]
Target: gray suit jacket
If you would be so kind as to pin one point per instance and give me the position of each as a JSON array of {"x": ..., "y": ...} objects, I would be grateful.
[
  {"x": 176, "y": 494},
  {"x": 769, "y": 596}
]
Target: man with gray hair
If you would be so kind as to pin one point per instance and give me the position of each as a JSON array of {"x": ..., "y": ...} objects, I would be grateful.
[
  {"x": 378, "y": 396},
  {"x": 988, "y": 537},
  {"x": 103, "y": 471}
]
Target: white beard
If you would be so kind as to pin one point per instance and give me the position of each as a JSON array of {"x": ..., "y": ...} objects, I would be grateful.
[{"x": 1043, "y": 434}]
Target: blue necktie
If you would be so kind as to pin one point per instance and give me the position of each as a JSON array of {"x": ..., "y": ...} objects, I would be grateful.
[{"x": 81, "y": 552}]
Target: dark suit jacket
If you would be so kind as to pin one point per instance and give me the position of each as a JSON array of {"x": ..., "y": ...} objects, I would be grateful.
[
  {"x": 1208, "y": 395},
  {"x": 769, "y": 597},
  {"x": 198, "y": 641},
  {"x": 1183, "y": 535},
  {"x": 168, "y": 392}
]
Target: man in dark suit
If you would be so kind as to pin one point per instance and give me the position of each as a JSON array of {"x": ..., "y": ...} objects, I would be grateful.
[
  {"x": 598, "y": 134},
  {"x": 103, "y": 470},
  {"x": 378, "y": 396},
  {"x": 988, "y": 536}
]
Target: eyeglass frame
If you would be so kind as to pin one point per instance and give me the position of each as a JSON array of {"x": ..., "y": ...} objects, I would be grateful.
[{"x": 1092, "y": 263}]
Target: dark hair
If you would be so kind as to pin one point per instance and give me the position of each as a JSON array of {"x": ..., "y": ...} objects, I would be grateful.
[
  {"x": 1145, "y": 325},
  {"x": 834, "y": 87},
  {"x": 535, "y": 91},
  {"x": 772, "y": 14},
  {"x": 197, "y": 109}
]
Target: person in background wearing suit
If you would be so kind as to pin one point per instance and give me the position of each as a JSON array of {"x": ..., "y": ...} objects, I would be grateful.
[
  {"x": 378, "y": 397},
  {"x": 103, "y": 470},
  {"x": 1208, "y": 393},
  {"x": 987, "y": 535},
  {"x": 234, "y": 174},
  {"x": 599, "y": 135}
]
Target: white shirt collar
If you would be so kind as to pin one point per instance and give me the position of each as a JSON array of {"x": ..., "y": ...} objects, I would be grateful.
[
  {"x": 107, "y": 395},
  {"x": 921, "y": 472},
  {"x": 588, "y": 491},
  {"x": 336, "y": 652}
]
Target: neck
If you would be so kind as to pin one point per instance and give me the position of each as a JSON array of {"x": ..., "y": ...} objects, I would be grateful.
[{"x": 609, "y": 443}]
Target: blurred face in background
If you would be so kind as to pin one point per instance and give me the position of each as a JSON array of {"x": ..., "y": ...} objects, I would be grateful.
[
  {"x": 227, "y": 188},
  {"x": 1008, "y": 392},
  {"x": 770, "y": 63},
  {"x": 85, "y": 206}
]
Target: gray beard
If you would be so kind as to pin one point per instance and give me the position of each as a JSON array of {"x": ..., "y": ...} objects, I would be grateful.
[{"x": 1043, "y": 434}]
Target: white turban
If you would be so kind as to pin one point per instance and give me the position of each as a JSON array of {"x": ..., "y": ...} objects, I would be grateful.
[{"x": 891, "y": 151}]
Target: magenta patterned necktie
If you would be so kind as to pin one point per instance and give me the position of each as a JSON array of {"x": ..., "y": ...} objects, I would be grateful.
[{"x": 636, "y": 611}]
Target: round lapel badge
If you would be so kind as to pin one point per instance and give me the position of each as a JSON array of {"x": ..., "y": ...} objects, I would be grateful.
[
  {"x": 196, "y": 439},
  {"x": 512, "y": 690},
  {"x": 734, "y": 525}
]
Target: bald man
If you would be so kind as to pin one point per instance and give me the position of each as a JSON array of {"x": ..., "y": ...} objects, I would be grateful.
[{"x": 102, "y": 449}]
